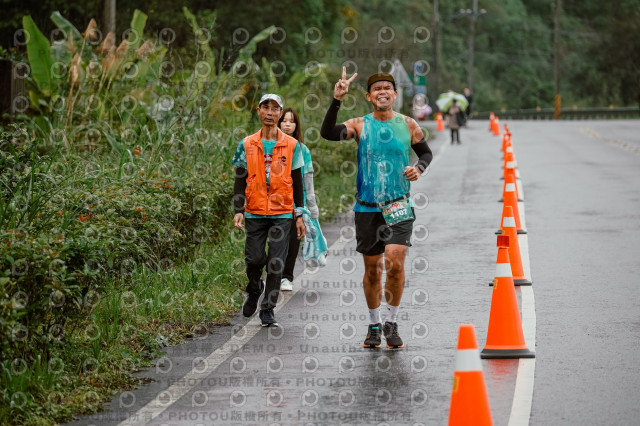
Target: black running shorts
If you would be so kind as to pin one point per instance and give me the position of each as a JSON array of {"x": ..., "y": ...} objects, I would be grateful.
[{"x": 373, "y": 234}]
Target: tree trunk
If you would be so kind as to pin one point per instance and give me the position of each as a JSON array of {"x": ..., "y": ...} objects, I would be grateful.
[
  {"x": 109, "y": 17},
  {"x": 12, "y": 89}
]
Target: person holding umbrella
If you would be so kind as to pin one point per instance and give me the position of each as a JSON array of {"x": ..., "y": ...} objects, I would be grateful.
[{"x": 453, "y": 104}]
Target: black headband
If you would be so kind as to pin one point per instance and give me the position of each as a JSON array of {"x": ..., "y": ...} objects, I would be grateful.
[{"x": 381, "y": 76}]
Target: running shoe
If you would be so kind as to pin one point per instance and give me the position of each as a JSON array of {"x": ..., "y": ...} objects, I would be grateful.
[
  {"x": 373, "y": 339},
  {"x": 251, "y": 302},
  {"x": 286, "y": 285},
  {"x": 267, "y": 318},
  {"x": 391, "y": 335}
]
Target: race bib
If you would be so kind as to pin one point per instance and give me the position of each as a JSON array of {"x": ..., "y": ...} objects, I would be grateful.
[{"x": 395, "y": 212}]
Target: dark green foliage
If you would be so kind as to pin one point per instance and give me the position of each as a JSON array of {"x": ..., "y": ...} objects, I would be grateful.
[{"x": 514, "y": 52}]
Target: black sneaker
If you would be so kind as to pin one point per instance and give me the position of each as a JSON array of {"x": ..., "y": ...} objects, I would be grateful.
[
  {"x": 373, "y": 339},
  {"x": 251, "y": 302},
  {"x": 391, "y": 335},
  {"x": 267, "y": 318}
]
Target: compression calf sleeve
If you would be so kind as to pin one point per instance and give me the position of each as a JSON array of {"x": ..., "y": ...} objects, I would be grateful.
[
  {"x": 424, "y": 154},
  {"x": 329, "y": 129}
]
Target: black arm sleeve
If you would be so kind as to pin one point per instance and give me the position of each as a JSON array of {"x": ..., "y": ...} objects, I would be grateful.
[
  {"x": 239, "y": 187},
  {"x": 424, "y": 154},
  {"x": 329, "y": 129},
  {"x": 298, "y": 194}
]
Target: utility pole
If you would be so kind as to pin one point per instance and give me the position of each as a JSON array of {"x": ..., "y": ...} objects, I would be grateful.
[
  {"x": 556, "y": 59},
  {"x": 436, "y": 49},
  {"x": 474, "y": 14},
  {"x": 109, "y": 17}
]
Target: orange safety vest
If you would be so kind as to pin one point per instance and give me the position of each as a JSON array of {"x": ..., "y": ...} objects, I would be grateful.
[{"x": 279, "y": 198}]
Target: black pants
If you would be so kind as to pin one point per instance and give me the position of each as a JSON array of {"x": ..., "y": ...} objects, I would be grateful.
[
  {"x": 292, "y": 253},
  {"x": 455, "y": 132},
  {"x": 256, "y": 258}
]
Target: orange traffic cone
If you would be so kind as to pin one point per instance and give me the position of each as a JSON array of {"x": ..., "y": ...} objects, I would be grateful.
[
  {"x": 509, "y": 166},
  {"x": 491, "y": 118},
  {"x": 505, "y": 338},
  {"x": 440, "y": 125},
  {"x": 506, "y": 141},
  {"x": 508, "y": 156},
  {"x": 510, "y": 175},
  {"x": 507, "y": 175},
  {"x": 509, "y": 228},
  {"x": 508, "y": 149},
  {"x": 469, "y": 400},
  {"x": 510, "y": 199},
  {"x": 496, "y": 126},
  {"x": 506, "y": 144}
]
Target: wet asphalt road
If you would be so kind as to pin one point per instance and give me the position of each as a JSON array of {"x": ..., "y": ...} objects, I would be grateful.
[{"x": 582, "y": 198}]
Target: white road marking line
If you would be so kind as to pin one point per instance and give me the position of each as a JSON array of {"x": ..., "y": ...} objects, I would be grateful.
[
  {"x": 176, "y": 391},
  {"x": 523, "y": 241},
  {"x": 621, "y": 144},
  {"x": 523, "y": 221},
  {"x": 528, "y": 316},
  {"x": 520, "y": 188},
  {"x": 523, "y": 392}
]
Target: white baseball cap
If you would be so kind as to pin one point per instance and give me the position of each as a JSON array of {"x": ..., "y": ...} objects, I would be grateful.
[{"x": 271, "y": 97}]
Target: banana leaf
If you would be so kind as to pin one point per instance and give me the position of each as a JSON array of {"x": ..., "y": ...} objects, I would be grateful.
[
  {"x": 244, "y": 56},
  {"x": 209, "y": 55},
  {"x": 134, "y": 38},
  {"x": 40, "y": 60},
  {"x": 67, "y": 28},
  {"x": 274, "y": 87}
]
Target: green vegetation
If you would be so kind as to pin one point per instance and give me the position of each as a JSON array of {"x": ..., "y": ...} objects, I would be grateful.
[{"x": 115, "y": 207}]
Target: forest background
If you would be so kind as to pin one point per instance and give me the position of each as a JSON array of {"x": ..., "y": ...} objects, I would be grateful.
[{"x": 514, "y": 50}]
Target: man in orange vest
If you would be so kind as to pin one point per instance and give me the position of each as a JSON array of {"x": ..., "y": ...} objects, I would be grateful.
[{"x": 268, "y": 183}]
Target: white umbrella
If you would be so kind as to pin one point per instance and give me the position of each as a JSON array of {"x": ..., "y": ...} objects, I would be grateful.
[{"x": 445, "y": 100}]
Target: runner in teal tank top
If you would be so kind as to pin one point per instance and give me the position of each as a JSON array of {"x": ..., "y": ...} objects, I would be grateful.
[
  {"x": 383, "y": 212},
  {"x": 384, "y": 149}
]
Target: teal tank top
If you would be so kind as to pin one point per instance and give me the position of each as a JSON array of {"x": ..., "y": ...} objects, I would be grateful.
[{"x": 384, "y": 149}]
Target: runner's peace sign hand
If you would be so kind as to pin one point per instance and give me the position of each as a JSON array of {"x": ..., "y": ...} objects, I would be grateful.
[{"x": 342, "y": 86}]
